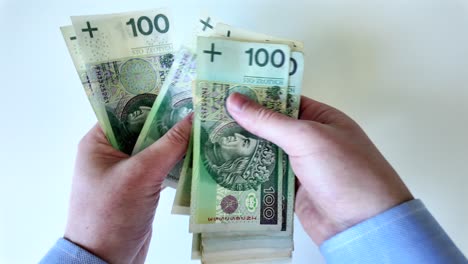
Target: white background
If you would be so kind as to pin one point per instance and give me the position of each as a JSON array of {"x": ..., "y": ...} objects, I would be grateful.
[{"x": 400, "y": 68}]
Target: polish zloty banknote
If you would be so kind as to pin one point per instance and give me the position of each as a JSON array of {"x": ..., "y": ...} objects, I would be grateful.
[
  {"x": 237, "y": 176},
  {"x": 296, "y": 75},
  {"x": 232, "y": 32},
  {"x": 182, "y": 199},
  {"x": 249, "y": 255},
  {"x": 239, "y": 243},
  {"x": 223, "y": 244},
  {"x": 292, "y": 106},
  {"x": 242, "y": 241},
  {"x": 127, "y": 58},
  {"x": 196, "y": 244},
  {"x": 203, "y": 26},
  {"x": 181, "y": 204},
  {"x": 285, "y": 260},
  {"x": 174, "y": 102},
  {"x": 69, "y": 35}
]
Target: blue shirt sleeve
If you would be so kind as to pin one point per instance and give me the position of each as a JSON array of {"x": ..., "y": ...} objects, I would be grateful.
[
  {"x": 405, "y": 234},
  {"x": 66, "y": 252}
]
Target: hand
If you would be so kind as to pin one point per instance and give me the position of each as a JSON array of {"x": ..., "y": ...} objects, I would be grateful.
[
  {"x": 343, "y": 178},
  {"x": 114, "y": 196}
]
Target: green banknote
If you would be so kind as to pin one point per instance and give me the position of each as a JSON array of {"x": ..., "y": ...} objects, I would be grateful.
[
  {"x": 237, "y": 177},
  {"x": 173, "y": 103},
  {"x": 232, "y": 32},
  {"x": 242, "y": 247},
  {"x": 181, "y": 204},
  {"x": 69, "y": 35},
  {"x": 202, "y": 26},
  {"x": 292, "y": 105},
  {"x": 127, "y": 58},
  {"x": 296, "y": 74},
  {"x": 196, "y": 244}
]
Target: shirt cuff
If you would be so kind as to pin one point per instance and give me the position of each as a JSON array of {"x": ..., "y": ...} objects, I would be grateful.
[
  {"x": 66, "y": 252},
  {"x": 405, "y": 234}
]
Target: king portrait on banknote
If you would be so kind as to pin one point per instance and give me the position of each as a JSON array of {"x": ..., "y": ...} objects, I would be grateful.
[{"x": 236, "y": 159}]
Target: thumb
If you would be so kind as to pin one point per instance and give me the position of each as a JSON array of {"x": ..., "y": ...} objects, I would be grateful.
[
  {"x": 265, "y": 123},
  {"x": 160, "y": 157}
]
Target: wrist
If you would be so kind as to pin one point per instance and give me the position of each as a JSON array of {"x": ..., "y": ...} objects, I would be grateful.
[
  {"x": 89, "y": 246},
  {"x": 333, "y": 226},
  {"x": 322, "y": 219}
]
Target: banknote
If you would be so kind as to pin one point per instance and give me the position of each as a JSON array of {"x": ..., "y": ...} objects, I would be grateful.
[
  {"x": 292, "y": 109},
  {"x": 69, "y": 35},
  {"x": 284, "y": 260},
  {"x": 292, "y": 105},
  {"x": 237, "y": 177},
  {"x": 203, "y": 25},
  {"x": 250, "y": 255},
  {"x": 181, "y": 204},
  {"x": 244, "y": 243},
  {"x": 239, "y": 243},
  {"x": 196, "y": 246},
  {"x": 174, "y": 102},
  {"x": 232, "y": 32},
  {"x": 127, "y": 57},
  {"x": 296, "y": 74}
]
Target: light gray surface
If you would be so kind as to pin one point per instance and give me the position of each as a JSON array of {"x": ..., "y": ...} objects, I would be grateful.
[{"x": 400, "y": 68}]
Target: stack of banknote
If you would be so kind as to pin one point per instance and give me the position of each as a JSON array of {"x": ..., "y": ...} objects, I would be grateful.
[{"x": 237, "y": 188}]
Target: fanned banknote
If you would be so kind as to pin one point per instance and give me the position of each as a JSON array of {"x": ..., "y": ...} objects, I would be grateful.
[
  {"x": 127, "y": 57},
  {"x": 229, "y": 31},
  {"x": 203, "y": 26},
  {"x": 69, "y": 35},
  {"x": 196, "y": 246},
  {"x": 237, "y": 176},
  {"x": 181, "y": 204},
  {"x": 174, "y": 103}
]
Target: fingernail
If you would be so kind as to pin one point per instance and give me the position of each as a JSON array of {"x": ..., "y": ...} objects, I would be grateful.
[
  {"x": 236, "y": 102},
  {"x": 190, "y": 117}
]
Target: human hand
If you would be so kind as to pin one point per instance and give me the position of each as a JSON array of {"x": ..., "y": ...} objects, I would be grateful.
[
  {"x": 344, "y": 179},
  {"x": 114, "y": 196}
]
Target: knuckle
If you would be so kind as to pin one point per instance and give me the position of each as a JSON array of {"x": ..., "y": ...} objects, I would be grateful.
[
  {"x": 177, "y": 136},
  {"x": 308, "y": 132},
  {"x": 304, "y": 128},
  {"x": 134, "y": 167},
  {"x": 93, "y": 136},
  {"x": 264, "y": 115},
  {"x": 84, "y": 142}
]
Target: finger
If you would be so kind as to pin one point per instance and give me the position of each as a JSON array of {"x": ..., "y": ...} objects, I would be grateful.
[
  {"x": 260, "y": 121},
  {"x": 159, "y": 158},
  {"x": 95, "y": 141},
  {"x": 95, "y": 134},
  {"x": 318, "y": 112}
]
